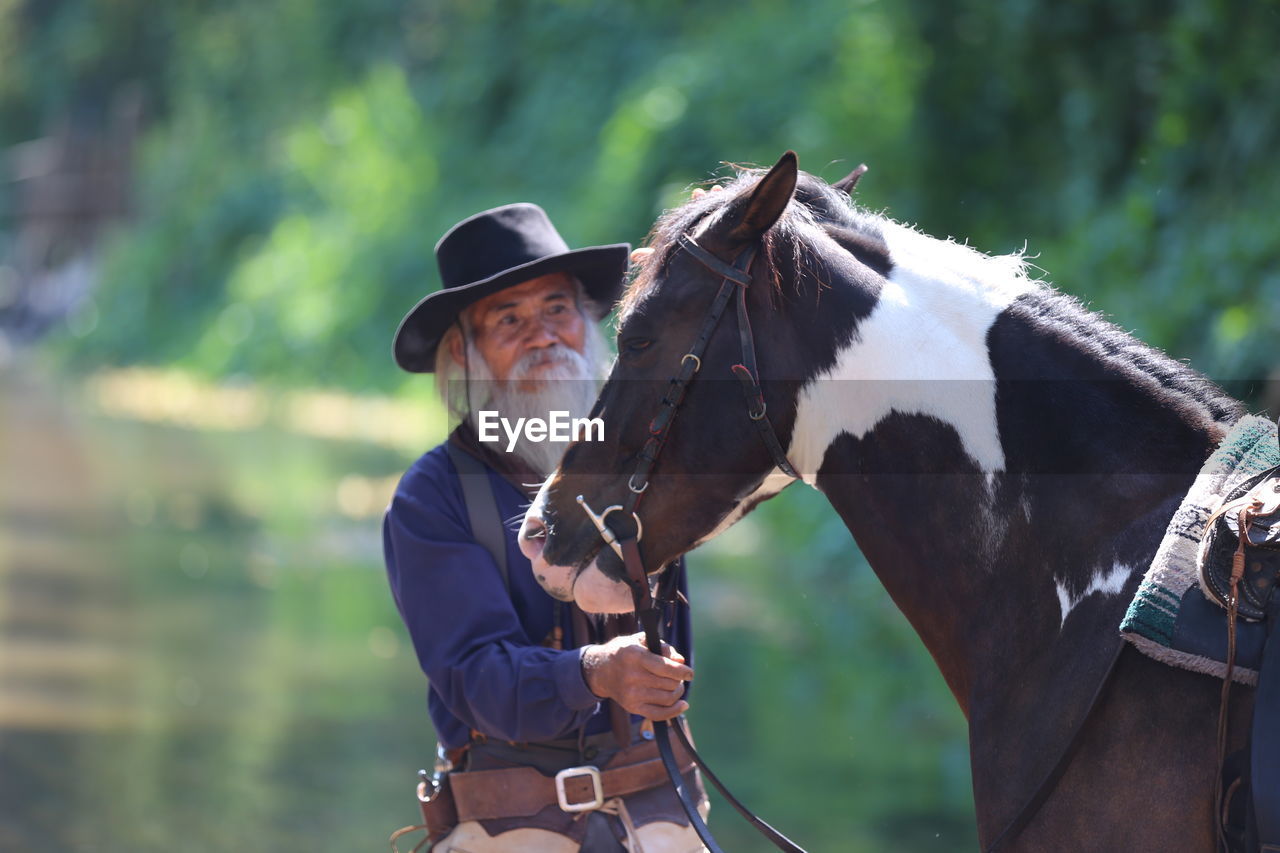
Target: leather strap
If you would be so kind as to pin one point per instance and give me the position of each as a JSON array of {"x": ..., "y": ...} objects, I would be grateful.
[
  {"x": 749, "y": 374},
  {"x": 482, "y": 507},
  {"x": 1264, "y": 756},
  {"x": 1264, "y": 748},
  {"x": 736, "y": 277},
  {"x": 671, "y": 400},
  {"x": 647, "y": 613},
  {"x": 747, "y": 371},
  {"x": 737, "y": 274},
  {"x": 523, "y": 791},
  {"x": 762, "y": 826},
  {"x": 1049, "y": 782}
]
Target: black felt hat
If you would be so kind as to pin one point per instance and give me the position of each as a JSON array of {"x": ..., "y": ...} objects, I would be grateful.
[{"x": 494, "y": 250}]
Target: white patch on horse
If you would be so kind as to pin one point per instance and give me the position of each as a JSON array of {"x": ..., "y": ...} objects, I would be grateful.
[
  {"x": 1108, "y": 583},
  {"x": 774, "y": 482},
  {"x": 922, "y": 350}
]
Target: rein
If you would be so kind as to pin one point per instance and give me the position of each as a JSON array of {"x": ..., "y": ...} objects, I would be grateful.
[{"x": 626, "y": 544}]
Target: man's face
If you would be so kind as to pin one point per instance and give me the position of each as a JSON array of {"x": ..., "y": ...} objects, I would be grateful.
[{"x": 525, "y": 319}]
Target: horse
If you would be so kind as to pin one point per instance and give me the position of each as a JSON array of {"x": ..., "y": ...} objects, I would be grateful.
[{"x": 1006, "y": 460}]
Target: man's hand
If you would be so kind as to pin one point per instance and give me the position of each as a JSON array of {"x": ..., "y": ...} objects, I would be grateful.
[{"x": 641, "y": 682}]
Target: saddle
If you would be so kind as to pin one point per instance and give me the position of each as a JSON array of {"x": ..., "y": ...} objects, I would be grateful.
[
  {"x": 1257, "y": 503},
  {"x": 1239, "y": 568}
]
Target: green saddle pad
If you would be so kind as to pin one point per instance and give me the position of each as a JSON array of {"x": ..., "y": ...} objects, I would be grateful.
[{"x": 1170, "y": 617}]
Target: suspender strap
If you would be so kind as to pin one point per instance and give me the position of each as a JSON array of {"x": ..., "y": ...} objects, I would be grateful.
[{"x": 482, "y": 507}]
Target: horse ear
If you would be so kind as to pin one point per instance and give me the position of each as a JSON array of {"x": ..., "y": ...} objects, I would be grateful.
[
  {"x": 770, "y": 197},
  {"x": 849, "y": 181}
]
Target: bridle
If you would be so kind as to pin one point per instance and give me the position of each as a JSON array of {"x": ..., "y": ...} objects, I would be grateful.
[{"x": 736, "y": 277}]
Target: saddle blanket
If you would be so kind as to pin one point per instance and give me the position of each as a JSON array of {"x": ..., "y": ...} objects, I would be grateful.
[{"x": 1170, "y": 618}]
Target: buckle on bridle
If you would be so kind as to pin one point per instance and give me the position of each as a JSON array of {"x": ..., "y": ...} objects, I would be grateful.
[
  {"x": 597, "y": 788},
  {"x": 606, "y": 534}
]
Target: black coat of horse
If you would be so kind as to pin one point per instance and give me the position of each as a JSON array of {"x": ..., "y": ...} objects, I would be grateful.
[{"x": 1006, "y": 460}]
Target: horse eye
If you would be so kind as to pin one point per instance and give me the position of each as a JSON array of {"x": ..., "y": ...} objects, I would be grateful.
[{"x": 635, "y": 346}]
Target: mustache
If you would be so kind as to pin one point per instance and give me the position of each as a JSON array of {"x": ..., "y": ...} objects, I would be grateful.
[{"x": 551, "y": 356}]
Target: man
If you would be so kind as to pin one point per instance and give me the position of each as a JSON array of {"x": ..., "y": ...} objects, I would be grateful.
[{"x": 529, "y": 696}]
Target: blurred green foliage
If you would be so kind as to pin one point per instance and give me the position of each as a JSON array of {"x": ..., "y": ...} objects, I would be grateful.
[{"x": 301, "y": 158}]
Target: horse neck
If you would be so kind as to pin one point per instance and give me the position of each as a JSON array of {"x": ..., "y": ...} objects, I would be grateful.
[{"x": 992, "y": 460}]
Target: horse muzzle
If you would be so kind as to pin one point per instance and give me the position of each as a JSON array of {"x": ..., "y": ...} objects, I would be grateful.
[
  {"x": 593, "y": 591},
  {"x": 556, "y": 580}
]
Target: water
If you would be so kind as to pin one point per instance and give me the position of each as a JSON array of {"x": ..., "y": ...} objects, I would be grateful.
[{"x": 198, "y": 651}]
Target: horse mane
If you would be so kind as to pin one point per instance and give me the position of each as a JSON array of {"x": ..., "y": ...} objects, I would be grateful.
[
  {"x": 1128, "y": 356},
  {"x": 819, "y": 207},
  {"x": 783, "y": 251}
]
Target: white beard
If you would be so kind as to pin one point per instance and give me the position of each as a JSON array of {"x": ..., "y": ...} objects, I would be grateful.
[{"x": 567, "y": 384}]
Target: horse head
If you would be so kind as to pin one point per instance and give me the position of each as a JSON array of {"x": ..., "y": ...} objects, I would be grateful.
[{"x": 710, "y": 464}]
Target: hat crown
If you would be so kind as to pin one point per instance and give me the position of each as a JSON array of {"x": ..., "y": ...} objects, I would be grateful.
[
  {"x": 493, "y": 250},
  {"x": 494, "y": 241}
]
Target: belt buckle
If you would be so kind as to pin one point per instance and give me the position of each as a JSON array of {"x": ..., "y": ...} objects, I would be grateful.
[{"x": 572, "y": 773}]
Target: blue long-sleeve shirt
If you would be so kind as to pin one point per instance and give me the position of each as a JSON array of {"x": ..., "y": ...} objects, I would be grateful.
[{"x": 479, "y": 645}]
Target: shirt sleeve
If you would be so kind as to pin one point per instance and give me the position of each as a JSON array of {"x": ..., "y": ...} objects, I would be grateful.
[{"x": 466, "y": 632}]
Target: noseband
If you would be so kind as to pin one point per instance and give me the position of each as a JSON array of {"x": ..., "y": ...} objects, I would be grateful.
[{"x": 736, "y": 278}]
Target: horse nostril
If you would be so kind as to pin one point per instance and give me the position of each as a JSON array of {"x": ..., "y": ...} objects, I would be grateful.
[{"x": 533, "y": 537}]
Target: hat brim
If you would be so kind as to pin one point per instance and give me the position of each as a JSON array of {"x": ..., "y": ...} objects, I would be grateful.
[{"x": 599, "y": 268}]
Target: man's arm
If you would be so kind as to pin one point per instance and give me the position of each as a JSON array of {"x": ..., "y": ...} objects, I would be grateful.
[{"x": 466, "y": 633}]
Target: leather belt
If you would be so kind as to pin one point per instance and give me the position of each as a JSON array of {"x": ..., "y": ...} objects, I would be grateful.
[{"x": 513, "y": 792}]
